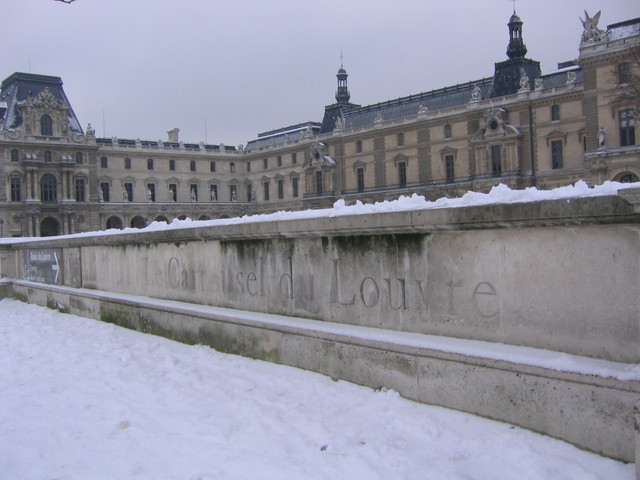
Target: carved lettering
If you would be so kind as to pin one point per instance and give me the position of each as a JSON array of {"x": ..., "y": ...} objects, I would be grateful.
[
  {"x": 402, "y": 294},
  {"x": 335, "y": 286},
  {"x": 485, "y": 300},
  {"x": 370, "y": 299},
  {"x": 240, "y": 282},
  {"x": 251, "y": 279},
  {"x": 285, "y": 285},
  {"x": 172, "y": 272}
]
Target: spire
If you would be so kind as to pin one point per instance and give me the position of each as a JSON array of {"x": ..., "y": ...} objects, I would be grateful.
[
  {"x": 342, "y": 94},
  {"x": 516, "y": 48}
]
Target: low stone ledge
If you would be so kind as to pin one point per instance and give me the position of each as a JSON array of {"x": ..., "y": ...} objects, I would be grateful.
[{"x": 591, "y": 411}]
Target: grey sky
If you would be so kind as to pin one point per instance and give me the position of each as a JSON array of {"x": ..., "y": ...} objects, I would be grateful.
[{"x": 249, "y": 66}]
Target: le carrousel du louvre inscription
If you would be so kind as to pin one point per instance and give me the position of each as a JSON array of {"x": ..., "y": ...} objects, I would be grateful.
[{"x": 391, "y": 281}]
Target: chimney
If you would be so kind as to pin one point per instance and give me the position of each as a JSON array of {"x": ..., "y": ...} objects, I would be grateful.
[{"x": 173, "y": 135}]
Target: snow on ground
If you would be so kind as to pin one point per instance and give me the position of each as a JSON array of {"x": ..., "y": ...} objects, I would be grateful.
[
  {"x": 498, "y": 194},
  {"x": 80, "y": 399}
]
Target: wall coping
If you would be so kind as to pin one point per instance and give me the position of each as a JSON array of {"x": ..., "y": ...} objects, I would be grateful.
[{"x": 575, "y": 211}]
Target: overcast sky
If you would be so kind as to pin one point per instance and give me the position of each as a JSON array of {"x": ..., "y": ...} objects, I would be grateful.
[{"x": 246, "y": 66}]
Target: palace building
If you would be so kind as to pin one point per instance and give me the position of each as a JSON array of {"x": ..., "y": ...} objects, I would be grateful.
[{"x": 519, "y": 127}]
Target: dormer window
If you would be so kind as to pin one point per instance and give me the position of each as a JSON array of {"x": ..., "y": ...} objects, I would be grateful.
[{"x": 46, "y": 125}]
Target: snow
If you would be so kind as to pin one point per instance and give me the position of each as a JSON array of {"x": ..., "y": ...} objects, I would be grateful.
[
  {"x": 498, "y": 194},
  {"x": 83, "y": 399}
]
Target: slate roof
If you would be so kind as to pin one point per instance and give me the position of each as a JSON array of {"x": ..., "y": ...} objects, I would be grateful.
[
  {"x": 283, "y": 135},
  {"x": 18, "y": 87},
  {"x": 439, "y": 99}
]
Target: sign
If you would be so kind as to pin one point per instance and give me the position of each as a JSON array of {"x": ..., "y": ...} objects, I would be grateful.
[{"x": 43, "y": 265}]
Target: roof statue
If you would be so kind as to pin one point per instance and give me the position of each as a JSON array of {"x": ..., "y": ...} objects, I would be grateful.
[{"x": 592, "y": 33}]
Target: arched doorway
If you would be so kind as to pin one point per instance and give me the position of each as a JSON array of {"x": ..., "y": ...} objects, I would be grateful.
[
  {"x": 204, "y": 217},
  {"x": 161, "y": 218},
  {"x": 182, "y": 217},
  {"x": 138, "y": 222},
  {"x": 225, "y": 216},
  {"x": 629, "y": 178},
  {"x": 114, "y": 222},
  {"x": 49, "y": 227}
]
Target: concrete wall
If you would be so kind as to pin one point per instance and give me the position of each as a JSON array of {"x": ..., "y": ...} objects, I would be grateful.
[{"x": 560, "y": 275}]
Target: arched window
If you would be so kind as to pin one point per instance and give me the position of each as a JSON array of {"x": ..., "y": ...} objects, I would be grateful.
[
  {"x": 46, "y": 125},
  {"x": 48, "y": 188}
]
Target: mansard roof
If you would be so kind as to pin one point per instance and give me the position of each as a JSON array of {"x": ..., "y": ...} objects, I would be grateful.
[
  {"x": 283, "y": 135},
  {"x": 20, "y": 87}
]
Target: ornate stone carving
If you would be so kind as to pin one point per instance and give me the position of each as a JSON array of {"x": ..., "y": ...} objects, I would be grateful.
[
  {"x": 377, "y": 118},
  {"x": 476, "y": 94},
  {"x": 592, "y": 33},
  {"x": 45, "y": 100},
  {"x": 525, "y": 85},
  {"x": 339, "y": 124},
  {"x": 538, "y": 84},
  {"x": 571, "y": 77},
  {"x": 422, "y": 110}
]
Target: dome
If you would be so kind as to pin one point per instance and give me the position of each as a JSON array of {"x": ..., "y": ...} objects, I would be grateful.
[
  {"x": 342, "y": 71},
  {"x": 515, "y": 18}
]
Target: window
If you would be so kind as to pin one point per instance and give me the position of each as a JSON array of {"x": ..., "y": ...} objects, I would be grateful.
[
  {"x": 248, "y": 166},
  {"x": 104, "y": 162},
  {"x": 401, "y": 139},
  {"x": 624, "y": 73},
  {"x": 265, "y": 163},
  {"x": 557, "y": 160},
  {"x": 128, "y": 192},
  {"x": 48, "y": 156},
  {"x": 294, "y": 186},
  {"x": 192, "y": 165},
  {"x": 280, "y": 189},
  {"x": 629, "y": 178},
  {"x": 294, "y": 158},
  {"x": 402, "y": 174},
  {"x": 496, "y": 161},
  {"x": 151, "y": 192},
  {"x": 46, "y": 125},
  {"x": 359, "y": 146},
  {"x": 265, "y": 190},
  {"x": 15, "y": 155},
  {"x": 279, "y": 160},
  {"x": 172, "y": 165},
  {"x": 555, "y": 113},
  {"x": 173, "y": 191},
  {"x": 149, "y": 163},
  {"x": 104, "y": 188},
  {"x": 627, "y": 128},
  {"x": 127, "y": 163},
  {"x": 213, "y": 193},
  {"x": 80, "y": 190},
  {"x": 360, "y": 178},
  {"x": 318, "y": 182},
  {"x": 15, "y": 190},
  {"x": 449, "y": 168},
  {"x": 193, "y": 188},
  {"x": 232, "y": 167},
  {"x": 249, "y": 192},
  {"x": 48, "y": 188},
  {"x": 212, "y": 166},
  {"x": 233, "y": 193},
  {"x": 79, "y": 158},
  {"x": 447, "y": 131}
]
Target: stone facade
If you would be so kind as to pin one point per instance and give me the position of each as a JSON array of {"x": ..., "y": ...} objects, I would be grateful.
[{"x": 543, "y": 130}]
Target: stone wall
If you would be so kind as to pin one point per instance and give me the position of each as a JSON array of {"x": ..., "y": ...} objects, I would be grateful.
[{"x": 557, "y": 275}]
